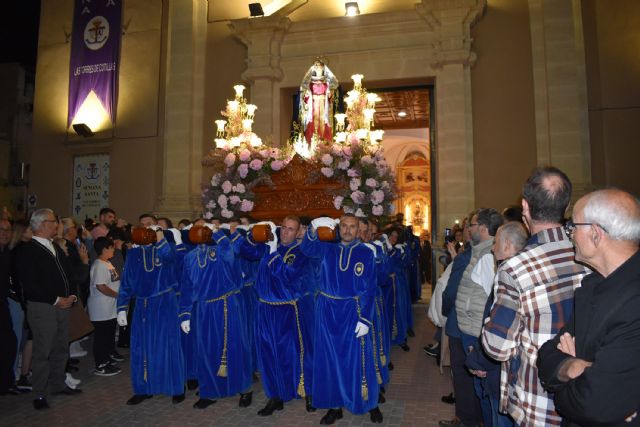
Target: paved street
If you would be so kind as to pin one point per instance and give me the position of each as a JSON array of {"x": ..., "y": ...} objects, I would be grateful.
[{"x": 413, "y": 399}]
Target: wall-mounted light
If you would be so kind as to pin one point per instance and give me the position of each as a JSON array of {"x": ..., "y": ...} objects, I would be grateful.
[
  {"x": 351, "y": 8},
  {"x": 402, "y": 114},
  {"x": 255, "y": 10},
  {"x": 83, "y": 130}
]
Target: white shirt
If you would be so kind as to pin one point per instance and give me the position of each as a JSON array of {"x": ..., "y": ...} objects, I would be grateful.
[
  {"x": 47, "y": 243},
  {"x": 100, "y": 306},
  {"x": 484, "y": 272}
]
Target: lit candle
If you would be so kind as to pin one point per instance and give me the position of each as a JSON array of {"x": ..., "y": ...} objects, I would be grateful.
[
  {"x": 357, "y": 80},
  {"x": 372, "y": 98},
  {"x": 239, "y": 90},
  {"x": 233, "y": 106},
  {"x": 349, "y": 102},
  {"x": 246, "y": 125},
  {"x": 376, "y": 135},
  {"x": 341, "y": 137},
  {"x": 221, "y": 124},
  {"x": 340, "y": 119},
  {"x": 255, "y": 140},
  {"x": 251, "y": 111},
  {"x": 362, "y": 133},
  {"x": 221, "y": 143},
  {"x": 368, "y": 116},
  {"x": 235, "y": 141}
]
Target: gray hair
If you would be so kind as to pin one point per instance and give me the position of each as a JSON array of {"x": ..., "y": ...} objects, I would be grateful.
[
  {"x": 514, "y": 232},
  {"x": 617, "y": 212},
  {"x": 67, "y": 223},
  {"x": 38, "y": 217}
]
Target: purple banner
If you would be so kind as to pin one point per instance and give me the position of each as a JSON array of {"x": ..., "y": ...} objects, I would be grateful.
[{"x": 95, "y": 52}]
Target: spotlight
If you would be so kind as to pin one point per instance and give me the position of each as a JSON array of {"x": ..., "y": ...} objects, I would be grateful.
[
  {"x": 255, "y": 10},
  {"x": 83, "y": 130},
  {"x": 351, "y": 8}
]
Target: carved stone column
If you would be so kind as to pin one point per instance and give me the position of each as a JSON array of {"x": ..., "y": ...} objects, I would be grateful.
[
  {"x": 560, "y": 89},
  {"x": 451, "y": 21},
  {"x": 263, "y": 38},
  {"x": 183, "y": 109}
]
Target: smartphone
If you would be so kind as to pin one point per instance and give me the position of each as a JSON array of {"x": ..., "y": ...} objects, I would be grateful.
[
  {"x": 78, "y": 242},
  {"x": 448, "y": 236}
]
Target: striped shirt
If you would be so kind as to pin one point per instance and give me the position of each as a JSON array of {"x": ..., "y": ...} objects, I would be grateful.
[{"x": 533, "y": 300}]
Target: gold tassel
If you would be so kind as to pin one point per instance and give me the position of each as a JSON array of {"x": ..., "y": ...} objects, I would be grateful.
[
  {"x": 145, "y": 371},
  {"x": 383, "y": 360},
  {"x": 364, "y": 390},
  {"x": 301, "y": 391},
  {"x": 222, "y": 370},
  {"x": 379, "y": 377}
]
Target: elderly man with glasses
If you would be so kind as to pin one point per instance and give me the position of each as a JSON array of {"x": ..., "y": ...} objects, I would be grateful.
[
  {"x": 43, "y": 269},
  {"x": 533, "y": 299},
  {"x": 593, "y": 364}
]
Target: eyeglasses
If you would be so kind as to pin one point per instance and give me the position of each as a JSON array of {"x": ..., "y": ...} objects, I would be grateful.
[
  {"x": 55, "y": 221},
  {"x": 473, "y": 224},
  {"x": 570, "y": 226}
]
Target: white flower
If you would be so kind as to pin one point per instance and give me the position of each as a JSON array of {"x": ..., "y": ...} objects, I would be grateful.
[
  {"x": 222, "y": 201},
  {"x": 354, "y": 184},
  {"x": 215, "y": 180},
  {"x": 208, "y": 215},
  {"x": 239, "y": 188},
  {"x": 211, "y": 204},
  {"x": 377, "y": 196},
  {"x": 377, "y": 210},
  {"x": 360, "y": 214},
  {"x": 344, "y": 165}
]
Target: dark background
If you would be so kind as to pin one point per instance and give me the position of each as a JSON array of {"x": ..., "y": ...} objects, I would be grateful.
[{"x": 19, "y": 21}]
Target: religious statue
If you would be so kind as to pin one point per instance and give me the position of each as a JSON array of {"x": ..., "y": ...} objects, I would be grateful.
[{"x": 317, "y": 93}]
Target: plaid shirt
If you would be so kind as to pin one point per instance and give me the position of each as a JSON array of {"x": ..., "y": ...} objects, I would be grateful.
[{"x": 533, "y": 300}]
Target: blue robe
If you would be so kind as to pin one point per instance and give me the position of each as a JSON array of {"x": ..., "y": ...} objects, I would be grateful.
[
  {"x": 283, "y": 342},
  {"x": 381, "y": 319},
  {"x": 157, "y": 364},
  {"x": 397, "y": 297},
  {"x": 211, "y": 290},
  {"x": 344, "y": 367}
]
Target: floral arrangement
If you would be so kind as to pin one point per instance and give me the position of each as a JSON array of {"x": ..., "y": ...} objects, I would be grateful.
[
  {"x": 241, "y": 158},
  {"x": 355, "y": 157}
]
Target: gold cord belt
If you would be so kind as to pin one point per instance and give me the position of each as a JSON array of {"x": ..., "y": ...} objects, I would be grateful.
[
  {"x": 222, "y": 370},
  {"x": 293, "y": 303}
]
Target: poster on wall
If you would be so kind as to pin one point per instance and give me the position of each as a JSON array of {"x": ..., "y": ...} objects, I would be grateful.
[
  {"x": 90, "y": 185},
  {"x": 95, "y": 51}
]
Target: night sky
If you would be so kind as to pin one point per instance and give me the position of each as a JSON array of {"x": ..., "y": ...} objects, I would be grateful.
[{"x": 19, "y": 20}]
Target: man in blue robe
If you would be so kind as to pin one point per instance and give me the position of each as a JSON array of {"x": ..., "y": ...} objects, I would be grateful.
[
  {"x": 398, "y": 297},
  {"x": 157, "y": 364},
  {"x": 211, "y": 295},
  {"x": 344, "y": 356},
  {"x": 282, "y": 337}
]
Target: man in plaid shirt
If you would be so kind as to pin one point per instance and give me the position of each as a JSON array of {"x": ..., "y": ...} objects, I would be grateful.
[{"x": 533, "y": 299}]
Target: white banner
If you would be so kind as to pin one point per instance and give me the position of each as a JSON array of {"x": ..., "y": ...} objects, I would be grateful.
[{"x": 90, "y": 185}]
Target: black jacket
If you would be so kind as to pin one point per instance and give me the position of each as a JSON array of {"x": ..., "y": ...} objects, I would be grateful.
[
  {"x": 44, "y": 277},
  {"x": 606, "y": 327}
]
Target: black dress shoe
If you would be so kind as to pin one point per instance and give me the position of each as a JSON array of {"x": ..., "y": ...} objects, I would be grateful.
[
  {"x": 381, "y": 398},
  {"x": 245, "y": 399},
  {"x": 390, "y": 366},
  {"x": 331, "y": 416},
  {"x": 272, "y": 405},
  {"x": 405, "y": 347},
  {"x": 178, "y": 398},
  {"x": 203, "y": 403},
  {"x": 308, "y": 405},
  {"x": 73, "y": 361},
  {"x": 69, "y": 391},
  {"x": 375, "y": 415},
  {"x": 138, "y": 398},
  {"x": 192, "y": 384},
  {"x": 449, "y": 399},
  {"x": 40, "y": 403},
  {"x": 411, "y": 333}
]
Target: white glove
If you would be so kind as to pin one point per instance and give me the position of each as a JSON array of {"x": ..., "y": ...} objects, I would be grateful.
[
  {"x": 323, "y": 222},
  {"x": 185, "y": 325},
  {"x": 122, "y": 318},
  {"x": 400, "y": 247},
  {"x": 210, "y": 226},
  {"x": 177, "y": 237},
  {"x": 379, "y": 244},
  {"x": 385, "y": 239},
  {"x": 188, "y": 227},
  {"x": 155, "y": 227},
  {"x": 243, "y": 227},
  {"x": 225, "y": 226},
  {"x": 361, "y": 330}
]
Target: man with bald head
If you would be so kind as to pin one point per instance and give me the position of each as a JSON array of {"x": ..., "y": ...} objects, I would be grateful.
[
  {"x": 593, "y": 364},
  {"x": 533, "y": 298}
]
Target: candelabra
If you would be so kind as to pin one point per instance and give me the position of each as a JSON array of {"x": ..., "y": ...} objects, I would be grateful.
[
  {"x": 361, "y": 108},
  {"x": 238, "y": 126}
]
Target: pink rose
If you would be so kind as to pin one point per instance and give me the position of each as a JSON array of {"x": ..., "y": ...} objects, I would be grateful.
[
  {"x": 377, "y": 196},
  {"x": 344, "y": 165},
  {"x": 215, "y": 180},
  {"x": 357, "y": 197},
  {"x": 246, "y": 205},
  {"x": 239, "y": 188},
  {"x": 208, "y": 215},
  {"x": 243, "y": 170},
  {"x": 327, "y": 159},
  {"x": 328, "y": 172},
  {"x": 346, "y": 150},
  {"x": 370, "y": 182},
  {"x": 360, "y": 214},
  {"x": 354, "y": 183},
  {"x": 245, "y": 155},
  {"x": 377, "y": 210},
  {"x": 222, "y": 201},
  {"x": 230, "y": 159},
  {"x": 226, "y": 187},
  {"x": 256, "y": 164},
  {"x": 337, "y": 201},
  {"x": 276, "y": 165},
  {"x": 352, "y": 173},
  {"x": 347, "y": 209},
  {"x": 264, "y": 153},
  {"x": 366, "y": 160},
  {"x": 234, "y": 200},
  {"x": 226, "y": 213},
  {"x": 211, "y": 204}
]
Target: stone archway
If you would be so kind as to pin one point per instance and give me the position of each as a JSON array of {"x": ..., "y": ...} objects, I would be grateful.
[{"x": 432, "y": 42}]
